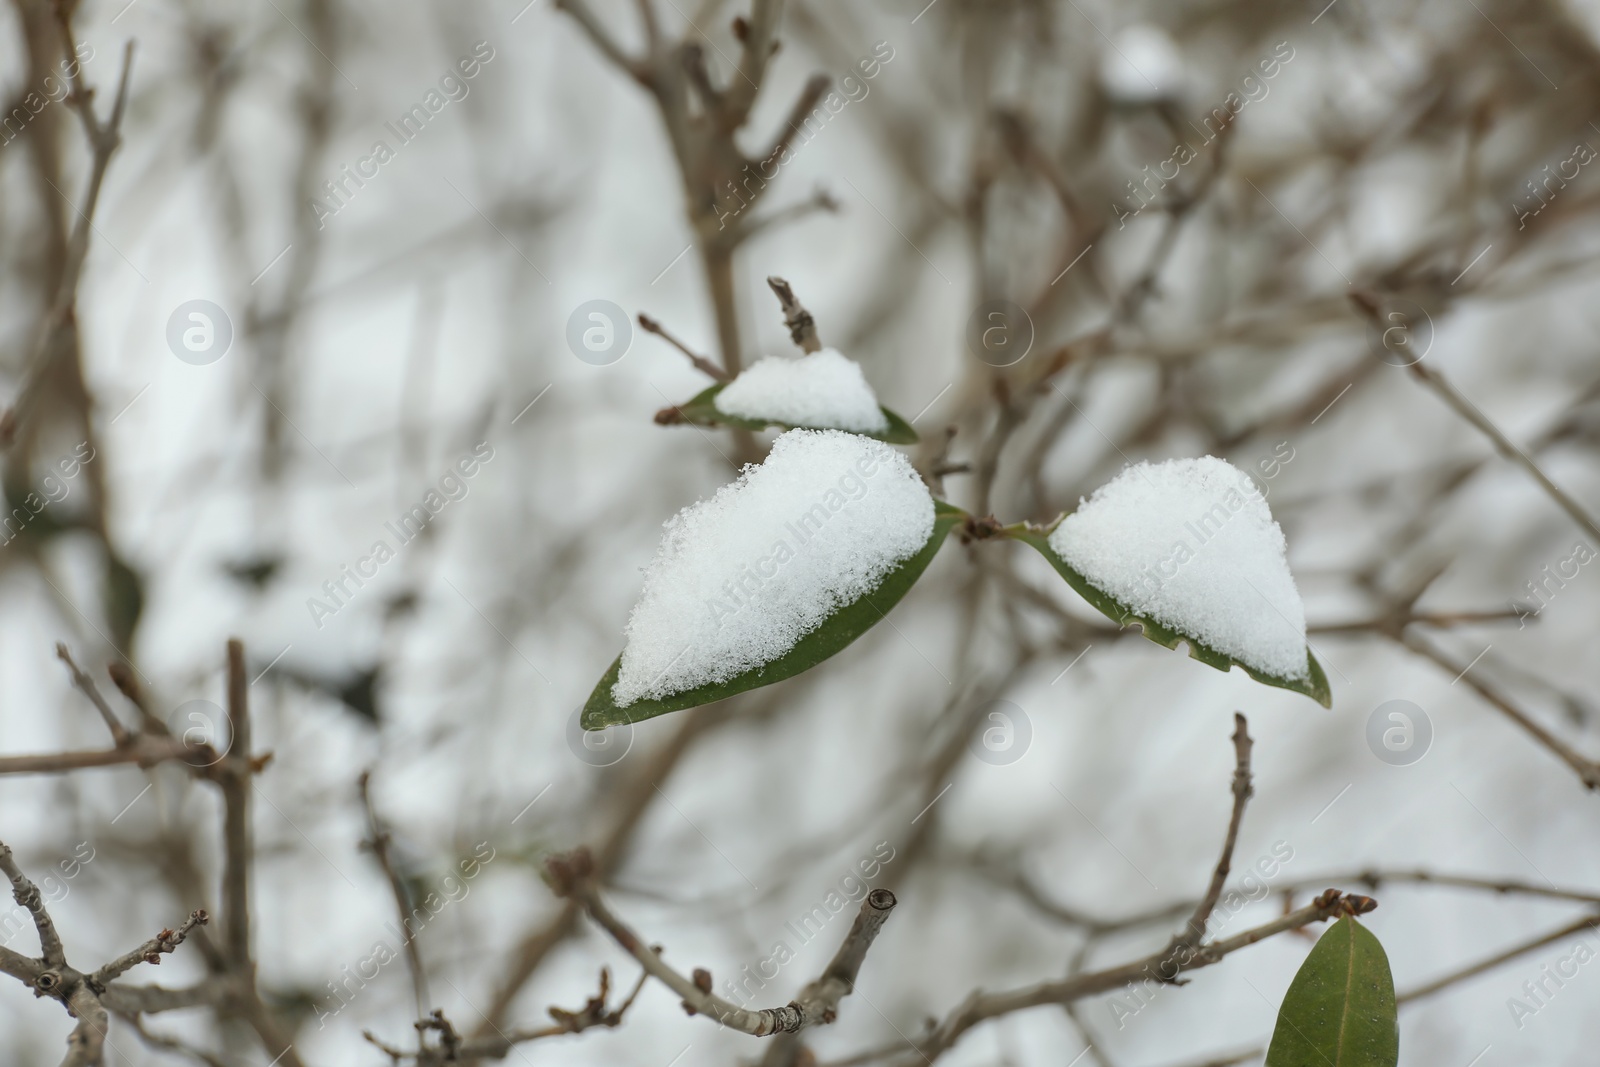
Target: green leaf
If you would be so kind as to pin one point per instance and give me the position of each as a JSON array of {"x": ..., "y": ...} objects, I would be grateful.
[
  {"x": 1340, "y": 1010},
  {"x": 701, "y": 410},
  {"x": 839, "y": 629},
  {"x": 1314, "y": 686}
]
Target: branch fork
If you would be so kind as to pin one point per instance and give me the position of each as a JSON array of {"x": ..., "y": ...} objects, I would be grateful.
[{"x": 571, "y": 875}]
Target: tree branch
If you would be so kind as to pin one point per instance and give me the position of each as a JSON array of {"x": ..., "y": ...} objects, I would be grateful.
[
  {"x": 1588, "y": 922},
  {"x": 1503, "y": 444},
  {"x": 585, "y": 18},
  {"x": 237, "y": 844},
  {"x": 119, "y": 733},
  {"x": 802, "y": 327},
  {"x": 151, "y": 951},
  {"x": 1195, "y": 930},
  {"x": 27, "y": 895},
  {"x": 572, "y": 875},
  {"x": 701, "y": 363},
  {"x": 1587, "y": 770},
  {"x": 378, "y": 844},
  {"x": 980, "y": 1007},
  {"x": 103, "y": 138}
]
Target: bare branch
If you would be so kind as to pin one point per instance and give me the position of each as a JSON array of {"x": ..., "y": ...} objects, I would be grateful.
[
  {"x": 151, "y": 951},
  {"x": 596, "y": 1012},
  {"x": 103, "y": 138},
  {"x": 1195, "y": 929},
  {"x": 635, "y": 800},
  {"x": 701, "y": 363},
  {"x": 820, "y": 201},
  {"x": 237, "y": 843},
  {"x": 579, "y": 10},
  {"x": 571, "y": 875},
  {"x": 811, "y": 94},
  {"x": 119, "y": 733},
  {"x": 759, "y": 43},
  {"x": 802, "y": 327},
  {"x": 1588, "y": 922},
  {"x": 378, "y": 844},
  {"x": 1503, "y": 444},
  {"x": 1162, "y": 967},
  {"x": 27, "y": 895},
  {"x": 143, "y": 751},
  {"x": 1587, "y": 770}
]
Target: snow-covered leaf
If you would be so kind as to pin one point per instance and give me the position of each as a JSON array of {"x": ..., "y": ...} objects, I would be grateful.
[
  {"x": 1189, "y": 550},
  {"x": 701, "y": 410},
  {"x": 1340, "y": 1009},
  {"x": 820, "y": 391},
  {"x": 774, "y": 574}
]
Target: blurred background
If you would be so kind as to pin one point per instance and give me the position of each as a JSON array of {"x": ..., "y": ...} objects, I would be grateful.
[{"x": 238, "y": 364}]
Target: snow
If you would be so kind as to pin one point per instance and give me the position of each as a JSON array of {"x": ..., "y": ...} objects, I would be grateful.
[
  {"x": 740, "y": 578},
  {"x": 823, "y": 389},
  {"x": 1191, "y": 544}
]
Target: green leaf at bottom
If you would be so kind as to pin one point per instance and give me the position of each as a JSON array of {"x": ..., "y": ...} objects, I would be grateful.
[
  {"x": 1314, "y": 685},
  {"x": 702, "y": 410},
  {"x": 1340, "y": 1010},
  {"x": 839, "y": 629}
]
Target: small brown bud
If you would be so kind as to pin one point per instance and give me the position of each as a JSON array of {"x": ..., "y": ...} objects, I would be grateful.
[{"x": 123, "y": 678}]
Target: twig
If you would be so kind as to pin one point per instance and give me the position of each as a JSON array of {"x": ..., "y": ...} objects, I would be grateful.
[
  {"x": 634, "y": 801},
  {"x": 103, "y": 138},
  {"x": 119, "y": 733},
  {"x": 1439, "y": 619},
  {"x": 802, "y": 327},
  {"x": 1375, "y": 878},
  {"x": 819, "y": 1001},
  {"x": 144, "y": 751},
  {"x": 595, "y": 1012},
  {"x": 378, "y": 844},
  {"x": 759, "y": 44},
  {"x": 579, "y": 10},
  {"x": 701, "y": 363},
  {"x": 980, "y": 1006},
  {"x": 152, "y": 950},
  {"x": 1503, "y": 444},
  {"x": 571, "y": 875},
  {"x": 821, "y": 200},
  {"x": 171, "y": 1044},
  {"x": 1195, "y": 930},
  {"x": 1588, "y": 770},
  {"x": 127, "y": 684},
  {"x": 90, "y": 997},
  {"x": 27, "y": 895},
  {"x": 1588, "y": 922},
  {"x": 237, "y": 842},
  {"x": 811, "y": 93}
]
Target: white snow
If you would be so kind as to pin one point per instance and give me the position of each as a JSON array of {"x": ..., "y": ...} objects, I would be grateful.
[
  {"x": 823, "y": 389},
  {"x": 1191, "y": 544},
  {"x": 740, "y": 578}
]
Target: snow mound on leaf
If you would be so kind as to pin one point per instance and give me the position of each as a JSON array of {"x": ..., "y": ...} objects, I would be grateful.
[
  {"x": 823, "y": 389},
  {"x": 739, "y": 579},
  {"x": 1191, "y": 544}
]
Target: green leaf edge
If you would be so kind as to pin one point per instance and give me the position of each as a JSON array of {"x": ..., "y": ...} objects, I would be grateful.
[
  {"x": 1387, "y": 1046},
  {"x": 1315, "y": 686},
  {"x": 836, "y": 632},
  {"x": 701, "y": 410}
]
